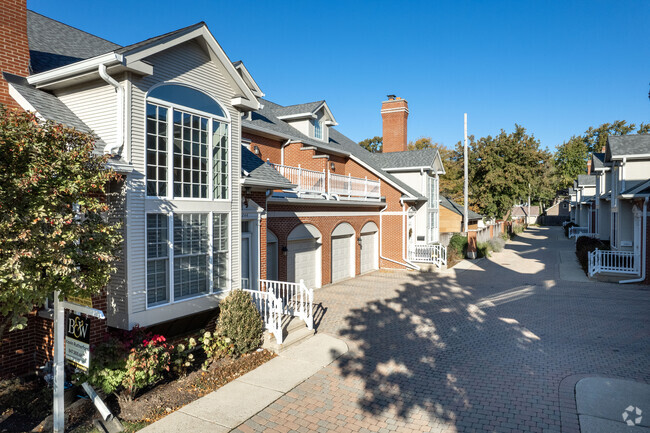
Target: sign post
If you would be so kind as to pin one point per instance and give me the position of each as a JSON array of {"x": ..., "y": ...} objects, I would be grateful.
[{"x": 59, "y": 353}]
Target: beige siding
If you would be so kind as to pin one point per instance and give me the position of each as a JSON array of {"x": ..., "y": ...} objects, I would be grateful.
[
  {"x": 187, "y": 64},
  {"x": 95, "y": 104}
]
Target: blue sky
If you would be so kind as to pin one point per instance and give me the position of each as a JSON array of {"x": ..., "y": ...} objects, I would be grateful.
[{"x": 555, "y": 67}]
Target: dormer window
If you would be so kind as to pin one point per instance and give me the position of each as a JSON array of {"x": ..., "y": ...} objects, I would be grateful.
[{"x": 318, "y": 129}]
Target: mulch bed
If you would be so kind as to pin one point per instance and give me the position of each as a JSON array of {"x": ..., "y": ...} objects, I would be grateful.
[{"x": 25, "y": 403}]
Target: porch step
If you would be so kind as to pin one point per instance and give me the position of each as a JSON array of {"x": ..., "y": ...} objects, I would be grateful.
[
  {"x": 430, "y": 267},
  {"x": 294, "y": 331},
  {"x": 606, "y": 277}
]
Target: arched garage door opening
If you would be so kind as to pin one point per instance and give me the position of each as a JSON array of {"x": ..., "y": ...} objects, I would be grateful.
[
  {"x": 369, "y": 247},
  {"x": 343, "y": 262},
  {"x": 304, "y": 255}
]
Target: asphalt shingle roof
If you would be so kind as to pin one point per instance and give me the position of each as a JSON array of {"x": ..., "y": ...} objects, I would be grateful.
[
  {"x": 159, "y": 38},
  {"x": 53, "y": 44},
  {"x": 598, "y": 161},
  {"x": 636, "y": 144},
  {"x": 260, "y": 173},
  {"x": 645, "y": 188},
  {"x": 448, "y": 203},
  {"x": 308, "y": 107},
  {"x": 586, "y": 180},
  {"x": 523, "y": 211},
  {"x": 408, "y": 158}
]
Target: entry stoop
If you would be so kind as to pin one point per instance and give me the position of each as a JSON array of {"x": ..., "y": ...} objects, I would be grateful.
[
  {"x": 294, "y": 330},
  {"x": 605, "y": 277}
]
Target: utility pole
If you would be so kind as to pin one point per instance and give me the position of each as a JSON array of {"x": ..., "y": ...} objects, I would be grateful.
[{"x": 466, "y": 182}]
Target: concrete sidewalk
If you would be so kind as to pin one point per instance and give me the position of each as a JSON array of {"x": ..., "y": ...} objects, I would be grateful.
[
  {"x": 613, "y": 405},
  {"x": 234, "y": 403}
]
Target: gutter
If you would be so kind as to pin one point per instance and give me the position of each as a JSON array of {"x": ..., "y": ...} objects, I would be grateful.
[
  {"x": 644, "y": 252},
  {"x": 112, "y": 149}
]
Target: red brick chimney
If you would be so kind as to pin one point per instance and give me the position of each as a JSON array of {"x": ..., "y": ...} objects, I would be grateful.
[
  {"x": 394, "y": 113},
  {"x": 14, "y": 51},
  {"x": 589, "y": 167}
]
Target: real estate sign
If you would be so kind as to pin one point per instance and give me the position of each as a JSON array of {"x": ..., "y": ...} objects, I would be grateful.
[{"x": 77, "y": 341}]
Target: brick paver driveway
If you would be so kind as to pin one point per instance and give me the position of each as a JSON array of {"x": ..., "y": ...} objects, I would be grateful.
[{"x": 481, "y": 350}]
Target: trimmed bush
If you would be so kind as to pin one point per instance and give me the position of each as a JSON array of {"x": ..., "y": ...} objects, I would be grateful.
[
  {"x": 497, "y": 244},
  {"x": 584, "y": 246},
  {"x": 458, "y": 243},
  {"x": 482, "y": 249},
  {"x": 566, "y": 228},
  {"x": 240, "y": 321}
]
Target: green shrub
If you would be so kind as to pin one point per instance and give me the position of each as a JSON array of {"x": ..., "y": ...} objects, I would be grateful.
[
  {"x": 482, "y": 249},
  {"x": 240, "y": 321},
  {"x": 215, "y": 347},
  {"x": 458, "y": 243},
  {"x": 182, "y": 358},
  {"x": 497, "y": 244},
  {"x": 585, "y": 245},
  {"x": 145, "y": 365}
]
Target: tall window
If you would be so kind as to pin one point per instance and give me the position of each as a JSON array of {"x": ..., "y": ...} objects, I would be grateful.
[
  {"x": 318, "y": 129},
  {"x": 199, "y": 262},
  {"x": 433, "y": 209},
  {"x": 199, "y": 145}
]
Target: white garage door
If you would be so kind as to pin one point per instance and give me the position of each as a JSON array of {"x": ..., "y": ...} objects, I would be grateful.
[
  {"x": 302, "y": 262},
  {"x": 368, "y": 252},
  {"x": 342, "y": 258}
]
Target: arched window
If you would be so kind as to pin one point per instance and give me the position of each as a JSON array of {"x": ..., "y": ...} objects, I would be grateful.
[{"x": 187, "y": 144}]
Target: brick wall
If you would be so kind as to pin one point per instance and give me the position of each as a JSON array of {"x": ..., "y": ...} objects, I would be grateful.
[
  {"x": 14, "y": 54},
  {"x": 394, "y": 114}
]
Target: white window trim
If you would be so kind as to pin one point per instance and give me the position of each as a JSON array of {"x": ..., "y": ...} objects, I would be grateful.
[
  {"x": 170, "y": 146},
  {"x": 170, "y": 258}
]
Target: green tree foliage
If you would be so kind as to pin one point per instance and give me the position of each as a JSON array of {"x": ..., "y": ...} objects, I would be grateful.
[
  {"x": 571, "y": 160},
  {"x": 423, "y": 143},
  {"x": 374, "y": 144},
  {"x": 596, "y": 138},
  {"x": 54, "y": 235}
]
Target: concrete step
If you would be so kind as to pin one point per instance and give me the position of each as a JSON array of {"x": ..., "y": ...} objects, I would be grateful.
[
  {"x": 606, "y": 277},
  {"x": 430, "y": 267},
  {"x": 290, "y": 323},
  {"x": 293, "y": 334}
]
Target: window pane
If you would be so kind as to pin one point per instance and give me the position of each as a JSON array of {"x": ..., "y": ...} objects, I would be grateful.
[
  {"x": 191, "y": 255},
  {"x": 220, "y": 159},
  {"x": 190, "y": 156},
  {"x": 220, "y": 252},
  {"x": 157, "y": 261},
  {"x": 157, "y": 150},
  {"x": 187, "y": 97},
  {"x": 318, "y": 129}
]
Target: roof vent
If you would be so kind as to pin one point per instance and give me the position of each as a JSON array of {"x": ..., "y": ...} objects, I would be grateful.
[{"x": 391, "y": 97}]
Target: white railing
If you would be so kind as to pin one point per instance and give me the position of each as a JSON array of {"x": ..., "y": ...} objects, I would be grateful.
[
  {"x": 615, "y": 262},
  {"x": 352, "y": 187},
  {"x": 270, "y": 308},
  {"x": 587, "y": 235},
  {"x": 433, "y": 253},
  {"x": 574, "y": 231},
  {"x": 297, "y": 300},
  {"x": 309, "y": 181}
]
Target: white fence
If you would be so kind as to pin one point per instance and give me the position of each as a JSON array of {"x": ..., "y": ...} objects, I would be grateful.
[
  {"x": 270, "y": 308},
  {"x": 574, "y": 231},
  {"x": 586, "y": 235},
  {"x": 296, "y": 299},
  {"x": 615, "y": 262},
  {"x": 308, "y": 181},
  {"x": 433, "y": 253},
  {"x": 352, "y": 187}
]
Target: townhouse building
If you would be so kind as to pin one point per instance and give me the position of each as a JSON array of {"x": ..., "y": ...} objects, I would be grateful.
[{"x": 220, "y": 188}]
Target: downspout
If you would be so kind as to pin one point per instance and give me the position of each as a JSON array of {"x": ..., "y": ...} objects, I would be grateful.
[
  {"x": 644, "y": 253},
  {"x": 381, "y": 234},
  {"x": 112, "y": 149},
  {"x": 282, "y": 151}
]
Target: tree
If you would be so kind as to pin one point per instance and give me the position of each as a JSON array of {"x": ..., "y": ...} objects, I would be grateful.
[
  {"x": 423, "y": 143},
  {"x": 596, "y": 138},
  {"x": 374, "y": 144},
  {"x": 54, "y": 234},
  {"x": 571, "y": 160}
]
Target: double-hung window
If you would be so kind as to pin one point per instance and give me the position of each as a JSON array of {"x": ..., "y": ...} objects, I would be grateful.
[
  {"x": 187, "y": 144},
  {"x": 318, "y": 129},
  {"x": 432, "y": 209}
]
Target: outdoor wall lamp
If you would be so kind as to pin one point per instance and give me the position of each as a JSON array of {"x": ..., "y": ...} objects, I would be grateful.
[
  {"x": 256, "y": 150},
  {"x": 359, "y": 241},
  {"x": 332, "y": 166},
  {"x": 284, "y": 250}
]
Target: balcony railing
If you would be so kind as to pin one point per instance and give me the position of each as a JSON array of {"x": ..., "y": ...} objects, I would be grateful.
[
  {"x": 307, "y": 181},
  {"x": 352, "y": 187},
  {"x": 428, "y": 253},
  {"x": 615, "y": 262},
  {"x": 327, "y": 183}
]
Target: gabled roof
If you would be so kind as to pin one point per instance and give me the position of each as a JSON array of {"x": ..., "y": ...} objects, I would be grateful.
[
  {"x": 53, "y": 44},
  {"x": 448, "y": 203},
  {"x": 628, "y": 146},
  {"x": 248, "y": 78},
  {"x": 598, "y": 162},
  {"x": 409, "y": 159},
  {"x": 265, "y": 121},
  {"x": 309, "y": 107},
  {"x": 522, "y": 210},
  {"x": 256, "y": 172},
  {"x": 586, "y": 180}
]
